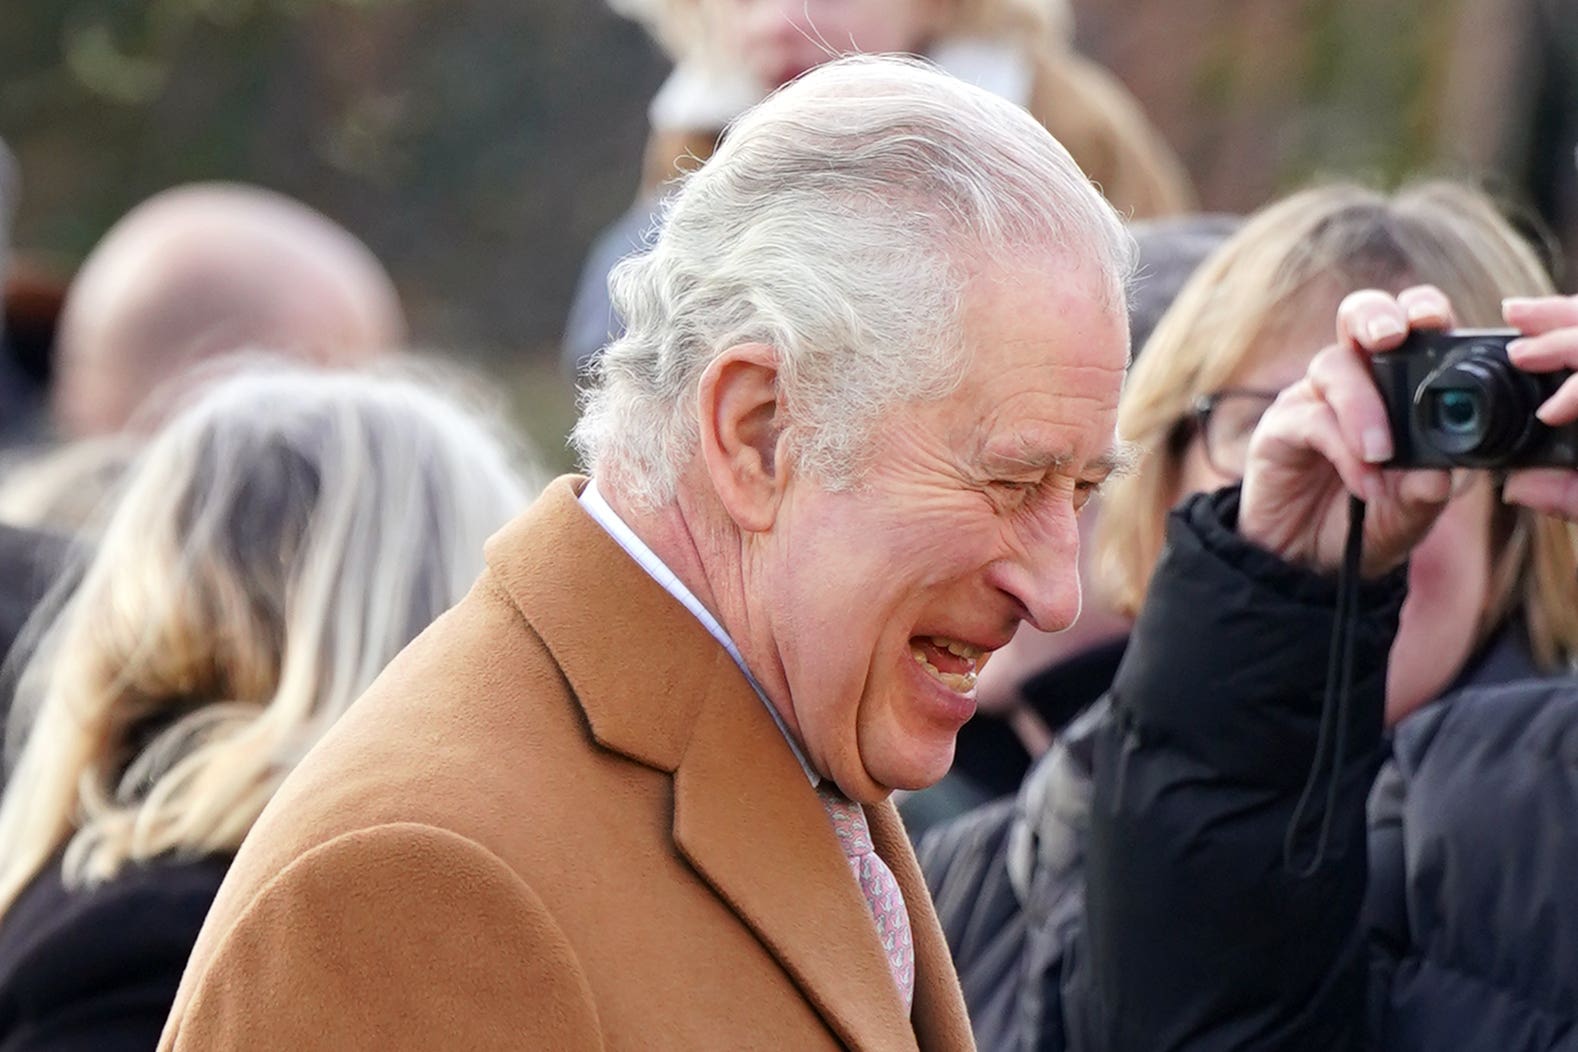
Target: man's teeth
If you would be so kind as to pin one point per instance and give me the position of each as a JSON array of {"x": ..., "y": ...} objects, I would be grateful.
[
  {"x": 956, "y": 648},
  {"x": 962, "y": 682}
]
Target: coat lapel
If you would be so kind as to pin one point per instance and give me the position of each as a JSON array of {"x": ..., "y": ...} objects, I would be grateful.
[
  {"x": 657, "y": 688},
  {"x": 747, "y": 819}
]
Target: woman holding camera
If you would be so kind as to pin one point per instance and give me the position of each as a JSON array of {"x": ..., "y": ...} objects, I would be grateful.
[
  {"x": 1491, "y": 594},
  {"x": 1252, "y": 882}
]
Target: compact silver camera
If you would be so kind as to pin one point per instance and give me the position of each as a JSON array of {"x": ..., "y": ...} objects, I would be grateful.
[{"x": 1455, "y": 400}]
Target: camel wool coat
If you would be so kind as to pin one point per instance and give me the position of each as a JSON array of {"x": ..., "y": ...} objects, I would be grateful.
[{"x": 561, "y": 819}]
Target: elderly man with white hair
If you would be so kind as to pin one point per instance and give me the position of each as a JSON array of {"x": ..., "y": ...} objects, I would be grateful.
[{"x": 633, "y": 791}]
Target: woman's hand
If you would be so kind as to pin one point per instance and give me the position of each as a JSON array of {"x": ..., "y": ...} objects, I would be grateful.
[
  {"x": 1551, "y": 342},
  {"x": 1325, "y": 438}
]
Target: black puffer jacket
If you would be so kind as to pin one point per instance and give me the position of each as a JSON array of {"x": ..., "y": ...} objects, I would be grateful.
[
  {"x": 1449, "y": 920},
  {"x": 1473, "y": 904}
]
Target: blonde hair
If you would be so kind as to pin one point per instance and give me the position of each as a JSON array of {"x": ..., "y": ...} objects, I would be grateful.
[
  {"x": 64, "y": 488},
  {"x": 1328, "y": 241},
  {"x": 274, "y": 547}
]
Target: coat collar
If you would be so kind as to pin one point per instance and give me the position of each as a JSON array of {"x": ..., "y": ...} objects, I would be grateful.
[{"x": 745, "y": 817}]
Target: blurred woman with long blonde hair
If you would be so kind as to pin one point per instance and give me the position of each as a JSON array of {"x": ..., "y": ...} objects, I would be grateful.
[{"x": 271, "y": 550}]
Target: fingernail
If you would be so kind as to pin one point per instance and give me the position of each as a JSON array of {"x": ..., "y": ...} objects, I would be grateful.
[
  {"x": 1545, "y": 413},
  {"x": 1517, "y": 347},
  {"x": 1515, "y": 303},
  {"x": 1384, "y": 327},
  {"x": 1377, "y": 445}
]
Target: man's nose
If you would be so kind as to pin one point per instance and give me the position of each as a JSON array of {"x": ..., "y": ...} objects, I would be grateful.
[{"x": 1041, "y": 574}]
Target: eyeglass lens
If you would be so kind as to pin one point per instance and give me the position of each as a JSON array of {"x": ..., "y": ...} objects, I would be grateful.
[{"x": 1229, "y": 426}]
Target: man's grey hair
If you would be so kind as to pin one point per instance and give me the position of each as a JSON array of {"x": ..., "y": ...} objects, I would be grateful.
[{"x": 838, "y": 224}]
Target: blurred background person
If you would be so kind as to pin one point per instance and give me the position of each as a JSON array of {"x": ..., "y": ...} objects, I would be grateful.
[
  {"x": 728, "y": 54},
  {"x": 276, "y": 544},
  {"x": 1490, "y": 589},
  {"x": 1041, "y": 680},
  {"x": 191, "y": 274},
  {"x": 204, "y": 270}
]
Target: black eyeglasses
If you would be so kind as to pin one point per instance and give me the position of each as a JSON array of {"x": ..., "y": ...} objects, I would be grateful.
[{"x": 1225, "y": 421}]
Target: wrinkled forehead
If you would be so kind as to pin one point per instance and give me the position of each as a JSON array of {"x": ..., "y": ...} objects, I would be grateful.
[
  {"x": 1047, "y": 350},
  {"x": 1063, "y": 309}
]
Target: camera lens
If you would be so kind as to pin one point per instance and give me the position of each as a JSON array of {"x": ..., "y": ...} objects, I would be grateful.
[
  {"x": 1476, "y": 409},
  {"x": 1456, "y": 411}
]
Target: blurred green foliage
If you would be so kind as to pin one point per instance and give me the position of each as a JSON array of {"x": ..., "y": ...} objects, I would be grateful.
[{"x": 477, "y": 145}]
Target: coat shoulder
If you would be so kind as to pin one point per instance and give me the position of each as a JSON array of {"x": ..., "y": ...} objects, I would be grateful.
[
  {"x": 308, "y": 962},
  {"x": 461, "y": 733}
]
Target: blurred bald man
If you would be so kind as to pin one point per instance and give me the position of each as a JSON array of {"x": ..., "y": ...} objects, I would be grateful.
[{"x": 203, "y": 270}]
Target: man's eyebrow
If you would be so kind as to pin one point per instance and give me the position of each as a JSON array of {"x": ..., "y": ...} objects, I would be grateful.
[
  {"x": 1025, "y": 457},
  {"x": 1118, "y": 461},
  {"x": 1114, "y": 462}
]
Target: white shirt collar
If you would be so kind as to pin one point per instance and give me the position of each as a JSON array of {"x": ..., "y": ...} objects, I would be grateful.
[{"x": 606, "y": 517}]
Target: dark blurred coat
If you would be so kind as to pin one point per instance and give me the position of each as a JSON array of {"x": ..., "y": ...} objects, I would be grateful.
[
  {"x": 1472, "y": 914},
  {"x": 1008, "y": 880},
  {"x": 97, "y": 970}
]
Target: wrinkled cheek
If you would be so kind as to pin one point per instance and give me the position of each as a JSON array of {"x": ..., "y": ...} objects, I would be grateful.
[
  {"x": 877, "y": 731},
  {"x": 825, "y": 665}
]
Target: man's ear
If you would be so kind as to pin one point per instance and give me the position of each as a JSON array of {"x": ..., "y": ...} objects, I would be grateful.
[{"x": 740, "y": 426}]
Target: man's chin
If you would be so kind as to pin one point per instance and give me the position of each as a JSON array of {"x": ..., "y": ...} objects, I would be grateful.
[{"x": 920, "y": 769}]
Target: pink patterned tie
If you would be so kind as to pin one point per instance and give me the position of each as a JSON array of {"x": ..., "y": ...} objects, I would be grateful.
[{"x": 877, "y": 883}]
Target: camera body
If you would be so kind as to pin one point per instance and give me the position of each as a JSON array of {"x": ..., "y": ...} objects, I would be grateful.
[{"x": 1454, "y": 399}]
